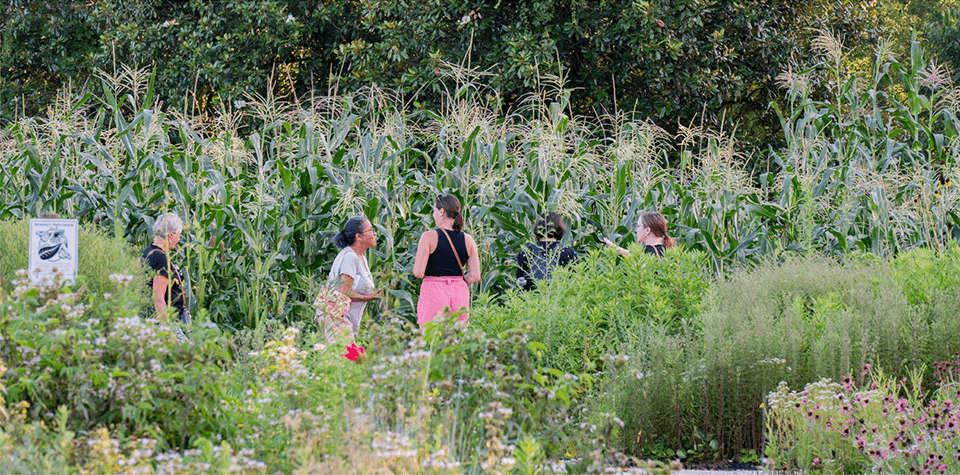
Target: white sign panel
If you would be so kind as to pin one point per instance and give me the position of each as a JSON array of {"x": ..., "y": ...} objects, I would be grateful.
[{"x": 53, "y": 247}]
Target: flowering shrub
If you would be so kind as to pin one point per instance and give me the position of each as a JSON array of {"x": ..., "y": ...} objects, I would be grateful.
[
  {"x": 114, "y": 369},
  {"x": 472, "y": 396},
  {"x": 117, "y": 393},
  {"x": 890, "y": 426}
]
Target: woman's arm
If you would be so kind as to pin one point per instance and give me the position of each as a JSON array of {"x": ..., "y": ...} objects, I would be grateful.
[
  {"x": 521, "y": 264},
  {"x": 567, "y": 255},
  {"x": 473, "y": 261},
  {"x": 428, "y": 242},
  {"x": 160, "y": 293},
  {"x": 620, "y": 250},
  {"x": 346, "y": 288}
]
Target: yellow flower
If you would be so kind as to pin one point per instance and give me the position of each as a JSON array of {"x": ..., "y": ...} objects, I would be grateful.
[{"x": 761, "y": 405}]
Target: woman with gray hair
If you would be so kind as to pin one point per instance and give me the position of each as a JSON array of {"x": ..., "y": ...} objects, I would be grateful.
[{"x": 167, "y": 279}]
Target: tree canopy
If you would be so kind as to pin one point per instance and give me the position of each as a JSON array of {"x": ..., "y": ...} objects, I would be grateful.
[{"x": 670, "y": 60}]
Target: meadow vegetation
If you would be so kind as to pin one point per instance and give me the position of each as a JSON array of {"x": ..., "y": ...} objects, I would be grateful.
[{"x": 841, "y": 255}]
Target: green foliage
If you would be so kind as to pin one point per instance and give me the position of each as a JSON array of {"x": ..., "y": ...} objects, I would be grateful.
[
  {"x": 927, "y": 20},
  {"x": 866, "y": 170},
  {"x": 796, "y": 322},
  {"x": 112, "y": 369},
  {"x": 675, "y": 61},
  {"x": 603, "y": 304},
  {"x": 44, "y": 46},
  {"x": 480, "y": 391},
  {"x": 871, "y": 155},
  {"x": 115, "y": 393},
  {"x": 942, "y": 34}
]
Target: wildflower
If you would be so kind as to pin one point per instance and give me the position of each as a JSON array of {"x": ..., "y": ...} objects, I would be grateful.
[
  {"x": 660, "y": 23},
  {"x": 290, "y": 18},
  {"x": 354, "y": 352}
]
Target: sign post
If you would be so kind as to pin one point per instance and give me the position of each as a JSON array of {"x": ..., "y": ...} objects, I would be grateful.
[{"x": 53, "y": 248}]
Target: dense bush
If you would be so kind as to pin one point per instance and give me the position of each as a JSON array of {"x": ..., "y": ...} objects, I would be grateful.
[
  {"x": 106, "y": 366},
  {"x": 796, "y": 322},
  {"x": 603, "y": 304}
]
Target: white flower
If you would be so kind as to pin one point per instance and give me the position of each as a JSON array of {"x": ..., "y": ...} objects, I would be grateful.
[
  {"x": 290, "y": 18},
  {"x": 465, "y": 20}
]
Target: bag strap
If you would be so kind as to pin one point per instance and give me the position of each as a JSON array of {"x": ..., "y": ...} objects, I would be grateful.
[{"x": 453, "y": 249}]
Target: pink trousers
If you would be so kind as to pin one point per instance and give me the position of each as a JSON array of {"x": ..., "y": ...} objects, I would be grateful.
[{"x": 442, "y": 293}]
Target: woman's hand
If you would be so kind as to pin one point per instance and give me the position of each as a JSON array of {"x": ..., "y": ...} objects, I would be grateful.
[
  {"x": 346, "y": 288},
  {"x": 620, "y": 250}
]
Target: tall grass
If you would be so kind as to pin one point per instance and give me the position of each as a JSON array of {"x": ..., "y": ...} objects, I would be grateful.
[{"x": 796, "y": 322}]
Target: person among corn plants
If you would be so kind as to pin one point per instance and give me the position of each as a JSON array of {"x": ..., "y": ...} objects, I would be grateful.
[
  {"x": 439, "y": 262},
  {"x": 544, "y": 255},
  {"x": 651, "y": 231},
  {"x": 350, "y": 271},
  {"x": 167, "y": 281}
]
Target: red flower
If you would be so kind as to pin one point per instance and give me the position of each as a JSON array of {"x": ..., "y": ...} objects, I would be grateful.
[
  {"x": 354, "y": 352},
  {"x": 660, "y": 23}
]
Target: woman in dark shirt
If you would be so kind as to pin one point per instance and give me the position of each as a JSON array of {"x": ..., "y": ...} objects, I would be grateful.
[
  {"x": 439, "y": 262},
  {"x": 167, "y": 280},
  {"x": 651, "y": 230},
  {"x": 538, "y": 260}
]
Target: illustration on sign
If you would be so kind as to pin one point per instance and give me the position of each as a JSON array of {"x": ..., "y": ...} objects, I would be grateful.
[
  {"x": 53, "y": 250},
  {"x": 53, "y": 245}
]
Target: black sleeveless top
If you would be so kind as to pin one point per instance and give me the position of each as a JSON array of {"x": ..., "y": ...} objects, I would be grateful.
[
  {"x": 656, "y": 250},
  {"x": 442, "y": 262}
]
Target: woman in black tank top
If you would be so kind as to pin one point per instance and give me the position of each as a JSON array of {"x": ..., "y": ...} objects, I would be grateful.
[
  {"x": 441, "y": 255},
  {"x": 651, "y": 231}
]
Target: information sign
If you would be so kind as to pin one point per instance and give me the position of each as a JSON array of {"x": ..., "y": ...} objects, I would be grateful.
[{"x": 53, "y": 248}]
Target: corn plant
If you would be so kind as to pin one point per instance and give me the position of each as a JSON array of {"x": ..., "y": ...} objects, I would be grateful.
[{"x": 869, "y": 165}]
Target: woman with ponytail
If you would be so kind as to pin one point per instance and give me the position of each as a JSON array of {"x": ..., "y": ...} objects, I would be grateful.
[
  {"x": 651, "y": 231},
  {"x": 350, "y": 271},
  {"x": 441, "y": 254}
]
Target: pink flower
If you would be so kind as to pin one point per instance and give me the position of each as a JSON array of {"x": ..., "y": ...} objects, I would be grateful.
[
  {"x": 660, "y": 23},
  {"x": 354, "y": 352}
]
